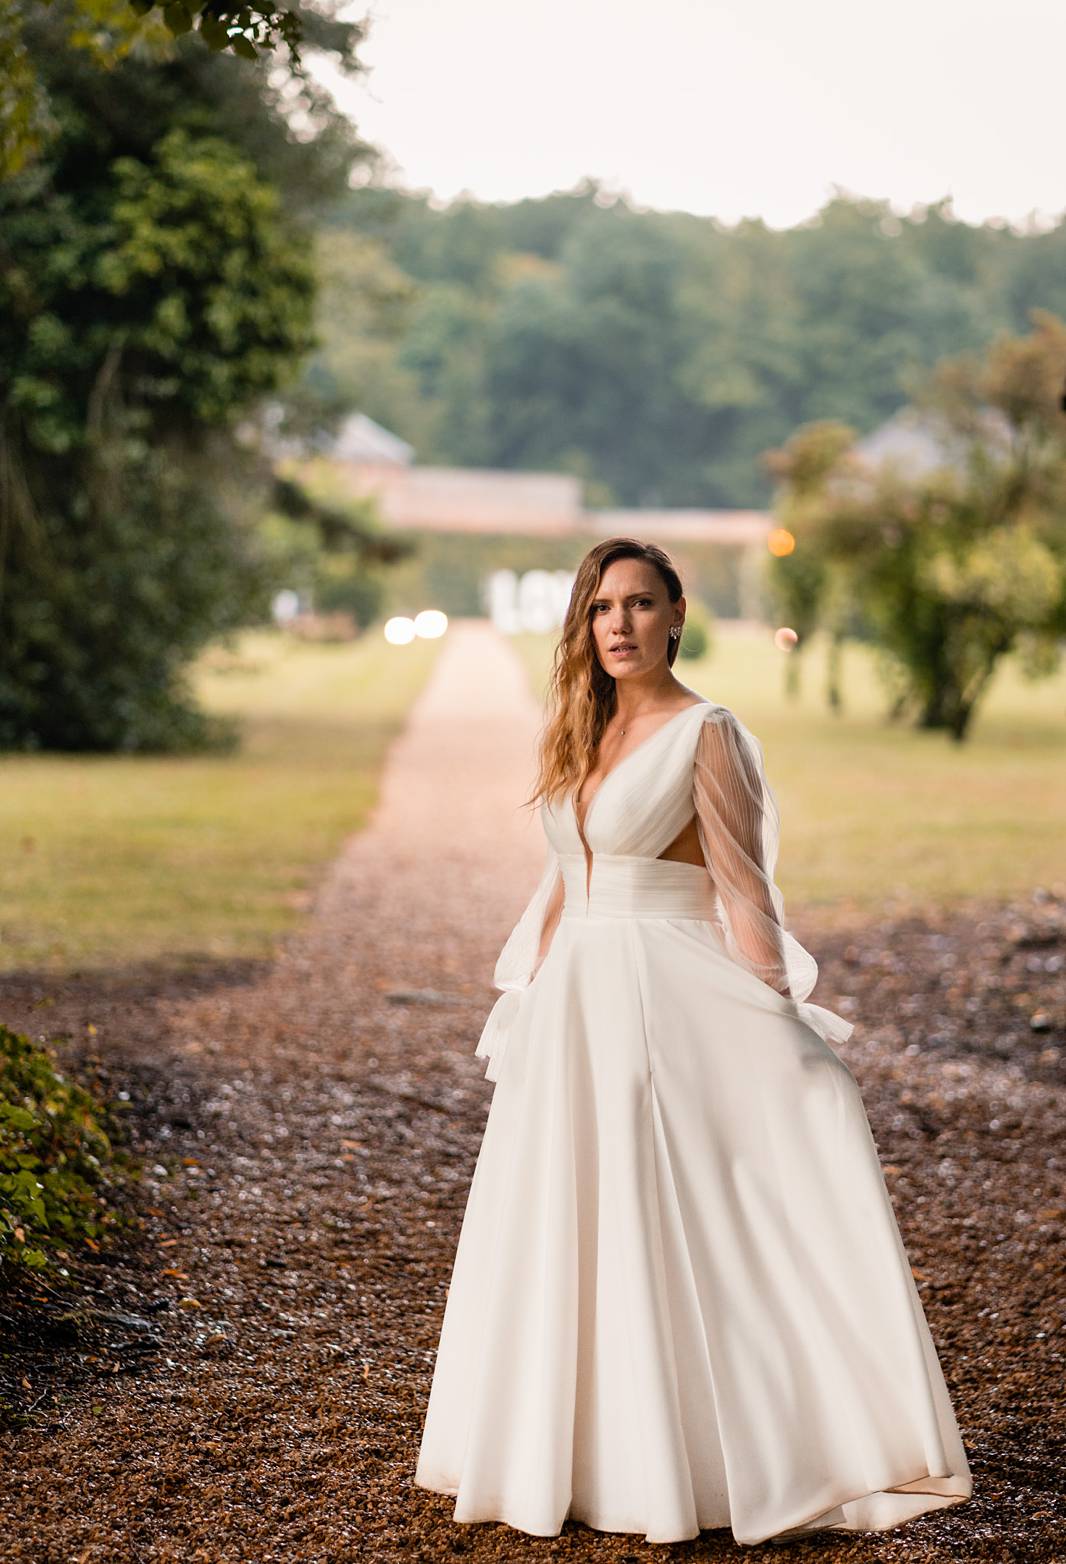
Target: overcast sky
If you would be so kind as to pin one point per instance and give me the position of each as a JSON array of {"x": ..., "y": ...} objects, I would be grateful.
[{"x": 730, "y": 107}]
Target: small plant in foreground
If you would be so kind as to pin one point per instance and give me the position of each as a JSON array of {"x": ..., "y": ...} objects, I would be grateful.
[{"x": 56, "y": 1159}]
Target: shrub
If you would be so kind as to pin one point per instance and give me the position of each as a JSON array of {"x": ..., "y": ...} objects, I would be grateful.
[{"x": 55, "y": 1158}]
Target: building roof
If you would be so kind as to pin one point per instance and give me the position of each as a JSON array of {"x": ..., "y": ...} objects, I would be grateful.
[
  {"x": 360, "y": 439},
  {"x": 917, "y": 442}
]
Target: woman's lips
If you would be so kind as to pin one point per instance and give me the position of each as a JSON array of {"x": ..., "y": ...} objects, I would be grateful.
[{"x": 623, "y": 651}]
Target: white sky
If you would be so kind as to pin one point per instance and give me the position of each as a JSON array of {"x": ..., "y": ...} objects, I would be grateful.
[{"x": 728, "y": 107}]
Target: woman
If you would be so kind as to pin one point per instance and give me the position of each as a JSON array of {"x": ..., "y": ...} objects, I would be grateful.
[{"x": 680, "y": 1299}]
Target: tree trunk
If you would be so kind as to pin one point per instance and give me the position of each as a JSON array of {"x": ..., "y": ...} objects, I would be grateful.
[{"x": 834, "y": 665}]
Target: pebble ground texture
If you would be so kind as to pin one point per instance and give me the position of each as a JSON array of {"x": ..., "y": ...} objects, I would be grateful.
[{"x": 247, "y": 1377}]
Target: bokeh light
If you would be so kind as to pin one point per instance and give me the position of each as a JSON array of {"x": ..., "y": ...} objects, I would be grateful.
[
  {"x": 780, "y": 542},
  {"x": 399, "y": 630},
  {"x": 785, "y": 638},
  {"x": 431, "y": 623}
]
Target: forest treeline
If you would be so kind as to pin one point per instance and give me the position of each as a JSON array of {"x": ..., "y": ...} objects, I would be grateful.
[{"x": 655, "y": 354}]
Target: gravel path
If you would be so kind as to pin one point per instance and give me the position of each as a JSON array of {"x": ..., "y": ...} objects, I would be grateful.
[{"x": 254, "y": 1387}]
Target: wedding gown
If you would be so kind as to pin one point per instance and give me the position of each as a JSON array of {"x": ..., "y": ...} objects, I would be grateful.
[{"x": 680, "y": 1299}]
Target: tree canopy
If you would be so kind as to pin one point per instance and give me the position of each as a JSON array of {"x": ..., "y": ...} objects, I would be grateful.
[
  {"x": 108, "y": 31},
  {"x": 156, "y": 280},
  {"x": 655, "y": 354},
  {"x": 950, "y": 562}
]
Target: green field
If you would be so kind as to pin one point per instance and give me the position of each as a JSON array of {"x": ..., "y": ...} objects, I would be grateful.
[
  {"x": 881, "y": 816},
  {"x": 116, "y": 859},
  {"x": 120, "y": 859}
]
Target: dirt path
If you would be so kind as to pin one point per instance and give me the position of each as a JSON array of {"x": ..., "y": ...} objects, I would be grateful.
[{"x": 320, "y": 1121}]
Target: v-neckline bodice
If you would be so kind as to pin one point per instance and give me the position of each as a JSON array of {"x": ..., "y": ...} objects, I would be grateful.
[{"x": 582, "y": 820}]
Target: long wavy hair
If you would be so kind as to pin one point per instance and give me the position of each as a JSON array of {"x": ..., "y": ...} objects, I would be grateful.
[{"x": 582, "y": 697}]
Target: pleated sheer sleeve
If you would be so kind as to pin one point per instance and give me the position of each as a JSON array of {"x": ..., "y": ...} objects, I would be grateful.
[{"x": 739, "y": 830}]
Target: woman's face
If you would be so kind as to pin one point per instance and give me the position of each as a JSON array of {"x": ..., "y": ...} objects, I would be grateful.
[{"x": 631, "y": 618}]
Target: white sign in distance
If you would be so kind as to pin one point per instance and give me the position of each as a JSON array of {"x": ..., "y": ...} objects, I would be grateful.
[{"x": 535, "y": 601}]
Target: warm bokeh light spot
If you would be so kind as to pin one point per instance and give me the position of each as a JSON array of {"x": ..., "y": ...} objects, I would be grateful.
[
  {"x": 780, "y": 542},
  {"x": 785, "y": 638}
]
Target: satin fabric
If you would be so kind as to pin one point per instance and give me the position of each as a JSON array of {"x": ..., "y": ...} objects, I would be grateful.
[{"x": 680, "y": 1299}]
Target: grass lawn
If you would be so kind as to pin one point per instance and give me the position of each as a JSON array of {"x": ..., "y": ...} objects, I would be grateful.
[
  {"x": 116, "y": 859},
  {"x": 883, "y": 816}
]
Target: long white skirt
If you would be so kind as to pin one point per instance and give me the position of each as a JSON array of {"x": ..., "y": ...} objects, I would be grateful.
[{"x": 680, "y": 1299}]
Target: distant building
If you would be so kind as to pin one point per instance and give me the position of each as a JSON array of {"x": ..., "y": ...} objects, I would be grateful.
[
  {"x": 360, "y": 439},
  {"x": 681, "y": 524},
  {"x": 916, "y": 442},
  {"x": 469, "y": 499},
  {"x": 410, "y": 497}
]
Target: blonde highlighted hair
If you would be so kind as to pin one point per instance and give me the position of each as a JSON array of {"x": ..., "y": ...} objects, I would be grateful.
[{"x": 582, "y": 696}]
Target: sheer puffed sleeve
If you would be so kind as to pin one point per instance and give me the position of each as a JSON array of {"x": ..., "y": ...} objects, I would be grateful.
[
  {"x": 740, "y": 831},
  {"x": 519, "y": 961}
]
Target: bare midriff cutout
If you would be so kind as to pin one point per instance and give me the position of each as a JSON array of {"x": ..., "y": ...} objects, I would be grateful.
[{"x": 685, "y": 847}]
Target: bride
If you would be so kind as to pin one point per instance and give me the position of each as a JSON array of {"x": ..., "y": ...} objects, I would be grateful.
[{"x": 680, "y": 1299}]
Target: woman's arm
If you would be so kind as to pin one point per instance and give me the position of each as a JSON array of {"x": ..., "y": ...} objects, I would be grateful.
[
  {"x": 740, "y": 830},
  {"x": 526, "y": 944},
  {"x": 732, "y": 804},
  {"x": 553, "y": 912}
]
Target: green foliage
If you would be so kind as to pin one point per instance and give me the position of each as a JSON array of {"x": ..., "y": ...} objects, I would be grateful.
[
  {"x": 152, "y": 289},
  {"x": 108, "y": 598},
  {"x": 171, "y": 286},
  {"x": 106, "y": 32},
  {"x": 953, "y": 566},
  {"x": 364, "y": 309},
  {"x": 173, "y": 294},
  {"x": 329, "y": 548},
  {"x": 55, "y": 1158},
  {"x": 103, "y": 30},
  {"x": 241, "y": 25},
  {"x": 237, "y": 300},
  {"x": 658, "y": 354}
]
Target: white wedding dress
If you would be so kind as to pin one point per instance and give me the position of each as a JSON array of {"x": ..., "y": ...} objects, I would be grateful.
[{"x": 680, "y": 1299}]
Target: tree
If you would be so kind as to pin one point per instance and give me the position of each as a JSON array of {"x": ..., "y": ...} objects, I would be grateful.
[
  {"x": 107, "y": 31},
  {"x": 659, "y": 353},
  {"x": 152, "y": 289},
  {"x": 956, "y": 565},
  {"x": 804, "y": 580},
  {"x": 173, "y": 306}
]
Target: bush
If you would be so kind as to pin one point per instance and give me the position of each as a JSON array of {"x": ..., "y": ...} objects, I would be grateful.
[{"x": 54, "y": 1158}]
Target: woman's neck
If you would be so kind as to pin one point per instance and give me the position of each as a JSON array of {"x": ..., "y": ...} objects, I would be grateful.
[{"x": 644, "y": 696}]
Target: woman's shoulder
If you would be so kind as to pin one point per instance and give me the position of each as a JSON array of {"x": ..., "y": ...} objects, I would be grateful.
[
  {"x": 719, "y": 729},
  {"x": 713, "y": 711}
]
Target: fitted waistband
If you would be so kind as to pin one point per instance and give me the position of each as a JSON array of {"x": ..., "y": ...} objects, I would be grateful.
[{"x": 628, "y": 887}]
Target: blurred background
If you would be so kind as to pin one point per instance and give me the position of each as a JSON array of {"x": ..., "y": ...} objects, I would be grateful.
[{"x": 322, "y": 328}]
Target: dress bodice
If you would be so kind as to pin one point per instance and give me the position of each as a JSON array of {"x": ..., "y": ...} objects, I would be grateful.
[
  {"x": 702, "y": 762},
  {"x": 642, "y": 803}
]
